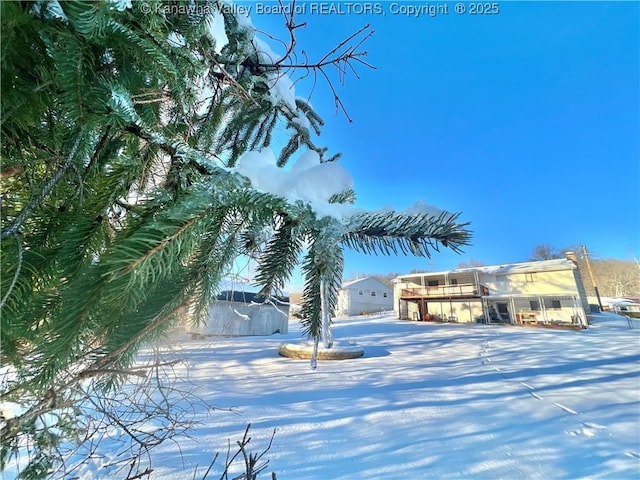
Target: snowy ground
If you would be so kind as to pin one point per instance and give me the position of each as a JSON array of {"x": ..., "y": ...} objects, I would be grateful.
[
  {"x": 426, "y": 401},
  {"x": 446, "y": 401}
]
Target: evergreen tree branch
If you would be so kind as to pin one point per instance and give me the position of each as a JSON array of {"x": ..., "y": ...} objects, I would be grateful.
[
  {"x": 162, "y": 216},
  {"x": 46, "y": 190},
  {"x": 322, "y": 267},
  {"x": 18, "y": 268},
  {"x": 99, "y": 148},
  {"x": 276, "y": 265},
  {"x": 391, "y": 232},
  {"x": 163, "y": 244},
  {"x": 225, "y": 76}
]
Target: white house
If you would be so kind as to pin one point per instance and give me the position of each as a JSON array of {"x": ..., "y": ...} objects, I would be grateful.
[
  {"x": 364, "y": 295},
  {"x": 547, "y": 292},
  {"x": 618, "y": 305}
]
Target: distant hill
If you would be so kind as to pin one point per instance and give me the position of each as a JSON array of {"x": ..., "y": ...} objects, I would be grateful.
[
  {"x": 295, "y": 298},
  {"x": 614, "y": 278}
]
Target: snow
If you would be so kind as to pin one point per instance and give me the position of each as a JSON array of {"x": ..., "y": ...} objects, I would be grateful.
[
  {"x": 308, "y": 180},
  {"x": 280, "y": 85},
  {"x": 9, "y": 410},
  {"x": 243, "y": 17},
  {"x": 265, "y": 52},
  {"x": 302, "y": 121},
  {"x": 426, "y": 401},
  {"x": 216, "y": 31},
  {"x": 421, "y": 207},
  {"x": 176, "y": 39},
  {"x": 617, "y": 302},
  {"x": 281, "y": 90},
  {"x": 522, "y": 267},
  {"x": 121, "y": 5},
  {"x": 53, "y": 10},
  {"x": 120, "y": 101},
  {"x": 241, "y": 315}
]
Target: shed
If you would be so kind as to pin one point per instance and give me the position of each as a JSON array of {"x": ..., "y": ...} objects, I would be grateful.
[{"x": 238, "y": 313}]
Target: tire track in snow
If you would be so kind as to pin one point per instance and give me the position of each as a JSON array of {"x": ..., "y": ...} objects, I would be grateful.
[{"x": 588, "y": 429}]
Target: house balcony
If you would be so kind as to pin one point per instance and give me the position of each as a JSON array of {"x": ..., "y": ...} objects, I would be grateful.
[{"x": 442, "y": 292}]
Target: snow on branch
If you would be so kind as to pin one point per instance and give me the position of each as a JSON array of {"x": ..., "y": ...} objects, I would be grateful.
[{"x": 309, "y": 180}]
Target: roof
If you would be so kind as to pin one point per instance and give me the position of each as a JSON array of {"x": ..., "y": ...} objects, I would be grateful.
[
  {"x": 247, "y": 297},
  {"x": 619, "y": 301},
  {"x": 360, "y": 280},
  {"x": 524, "y": 267},
  {"x": 529, "y": 267}
]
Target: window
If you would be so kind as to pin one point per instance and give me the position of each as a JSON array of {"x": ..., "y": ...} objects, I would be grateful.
[
  {"x": 360, "y": 292},
  {"x": 373, "y": 293},
  {"x": 534, "y": 305},
  {"x": 384, "y": 294},
  {"x": 432, "y": 283},
  {"x": 530, "y": 277},
  {"x": 454, "y": 281},
  {"x": 502, "y": 284},
  {"x": 552, "y": 304}
]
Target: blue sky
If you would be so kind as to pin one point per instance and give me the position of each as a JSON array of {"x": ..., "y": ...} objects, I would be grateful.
[{"x": 527, "y": 122}]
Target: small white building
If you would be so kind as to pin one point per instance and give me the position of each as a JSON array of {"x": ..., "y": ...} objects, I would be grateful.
[
  {"x": 237, "y": 313},
  {"x": 548, "y": 292},
  {"x": 364, "y": 295},
  {"x": 617, "y": 305}
]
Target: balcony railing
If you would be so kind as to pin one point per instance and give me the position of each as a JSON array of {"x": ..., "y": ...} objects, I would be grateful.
[{"x": 442, "y": 291}]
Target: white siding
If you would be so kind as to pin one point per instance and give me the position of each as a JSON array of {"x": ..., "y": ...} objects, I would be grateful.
[
  {"x": 553, "y": 283},
  {"x": 367, "y": 295},
  {"x": 238, "y": 319}
]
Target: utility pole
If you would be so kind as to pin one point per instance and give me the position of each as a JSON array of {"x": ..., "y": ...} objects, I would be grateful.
[{"x": 593, "y": 280}]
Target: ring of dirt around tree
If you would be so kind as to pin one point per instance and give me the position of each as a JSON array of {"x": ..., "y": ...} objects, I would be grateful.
[{"x": 339, "y": 351}]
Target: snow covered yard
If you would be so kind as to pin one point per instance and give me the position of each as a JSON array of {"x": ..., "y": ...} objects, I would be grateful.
[{"x": 426, "y": 401}]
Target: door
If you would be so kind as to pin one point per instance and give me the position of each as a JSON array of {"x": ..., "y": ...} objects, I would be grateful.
[{"x": 503, "y": 312}]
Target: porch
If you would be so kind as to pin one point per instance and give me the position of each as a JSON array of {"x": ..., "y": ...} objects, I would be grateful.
[
  {"x": 450, "y": 310},
  {"x": 441, "y": 292},
  {"x": 463, "y": 284},
  {"x": 539, "y": 310}
]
